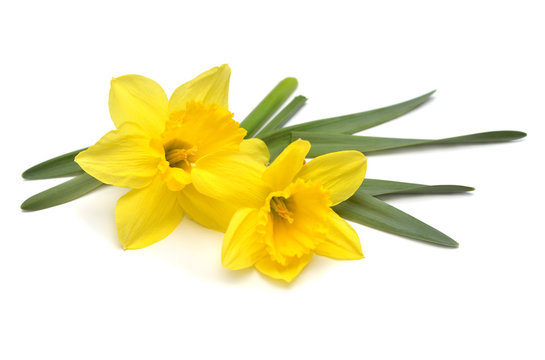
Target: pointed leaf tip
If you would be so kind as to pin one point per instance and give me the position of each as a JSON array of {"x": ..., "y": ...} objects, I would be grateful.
[
  {"x": 370, "y": 211},
  {"x": 62, "y": 193},
  {"x": 269, "y": 105},
  {"x": 377, "y": 187},
  {"x": 352, "y": 123},
  {"x": 60, "y": 166}
]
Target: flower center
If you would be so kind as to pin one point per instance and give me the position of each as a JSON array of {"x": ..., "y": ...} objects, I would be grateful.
[
  {"x": 190, "y": 134},
  {"x": 280, "y": 209},
  {"x": 181, "y": 157}
]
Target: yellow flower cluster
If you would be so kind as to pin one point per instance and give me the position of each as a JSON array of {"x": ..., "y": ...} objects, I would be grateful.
[{"x": 186, "y": 155}]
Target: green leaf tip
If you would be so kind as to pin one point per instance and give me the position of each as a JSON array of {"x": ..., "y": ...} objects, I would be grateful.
[
  {"x": 518, "y": 134},
  {"x": 268, "y": 106},
  {"x": 60, "y": 194},
  {"x": 290, "y": 81},
  {"x": 370, "y": 211},
  {"x": 284, "y": 115},
  {"x": 60, "y": 166},
  {"x": 377, "y": 187},
  {"x": 352, "y": 123},
  {"x": 323, "y": 143}
]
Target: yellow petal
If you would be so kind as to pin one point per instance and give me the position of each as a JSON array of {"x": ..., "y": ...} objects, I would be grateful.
[
  {"x": 232, "y": 177},
  {"x": 286, "y": 272},
  {"x": 210, "y": 87},
  {"x": 145, "y": 216},
  {"x": 210, "y": 128},
  {"x": 140, "y": 100},
  {"x": 175, "y": 178},
  {"x": 122, "y": 157},
  {"x": 284, "y": 168},
  {"x": 242, "y": 244},
  {"x": 257, "y": 149},
  {"x": 341, "y": 173},
  {"x": 204, "y": 210},
  {"x": 342, "y": 241}
]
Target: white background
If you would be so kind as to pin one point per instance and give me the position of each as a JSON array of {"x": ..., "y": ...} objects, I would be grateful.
[{"x": 68, "y": 291}]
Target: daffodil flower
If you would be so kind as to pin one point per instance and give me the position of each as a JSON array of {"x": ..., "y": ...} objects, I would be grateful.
[
  {"x": 285, "y": 214},
  {"x": 157, "y": 145}
]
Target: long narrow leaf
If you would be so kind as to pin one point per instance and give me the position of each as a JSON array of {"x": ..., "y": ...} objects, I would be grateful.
[
  {"x": 276, "y": 143},
  {"x": 377, "y": 187},
  {"x": 343, "y": 124},
  {"x": 63, "y": 165},
  {"x": 325, "y": 143},
  {"x": 370, "y": 211},
  {"x": 350, "y": 124},
  {"x": 268, "y": 106},
  {"x": 60, "y": 194},
  {"x": 284, "y": 115}
]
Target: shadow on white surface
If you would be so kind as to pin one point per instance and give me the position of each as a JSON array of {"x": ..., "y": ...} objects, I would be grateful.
[
  {"x": 197, "y": 252},
  {"x": 97, "y": 211},
  {"x": 192, "y": 248}
]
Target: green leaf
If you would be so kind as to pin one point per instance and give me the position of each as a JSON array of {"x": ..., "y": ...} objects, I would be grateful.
[
  {"x": 370, "y": 211},
  {"x": 377, "y": 187},
  {"x": 268, "y": 106},
  {"x": 276, "y": 143},
  {"x": 63, "y": 165},
  {"x": 325, "y": 143},
  {"x": 284, "y": 115},
  {"x": 60, "y": 194},
  {"x": 349, "y": 124}
]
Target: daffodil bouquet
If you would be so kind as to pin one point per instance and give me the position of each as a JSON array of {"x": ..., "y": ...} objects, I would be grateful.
[{"x": 186, "y": 155}]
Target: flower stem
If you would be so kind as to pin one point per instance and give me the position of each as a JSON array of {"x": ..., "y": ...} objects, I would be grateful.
[
  {"x": 268, "y": 106},
  {"x": 284, "y": 115}
]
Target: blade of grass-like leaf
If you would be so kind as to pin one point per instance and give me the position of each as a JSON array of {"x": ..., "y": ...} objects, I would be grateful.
[
  {"x": 377, "y": 187},
  {"x": 60, "y": 194},
  {"x": 370, "y": 211},
  {"x": 326, "y": 143},
  {"x": 268, "y": 106},
  {"x": 350, "y": 124},
  {"x": 284, "y": 115},
  {"x": 63, "y": 165}
]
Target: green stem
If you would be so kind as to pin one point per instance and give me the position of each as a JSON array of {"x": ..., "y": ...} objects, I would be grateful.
[
  {"x": 284, "y": 115},
  {"x": 268, "y": 106}
]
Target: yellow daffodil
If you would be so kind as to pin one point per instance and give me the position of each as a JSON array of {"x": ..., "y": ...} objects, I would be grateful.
[
  {"x": 156, "y": 147},
  {"x": 285, "y": 214}
]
